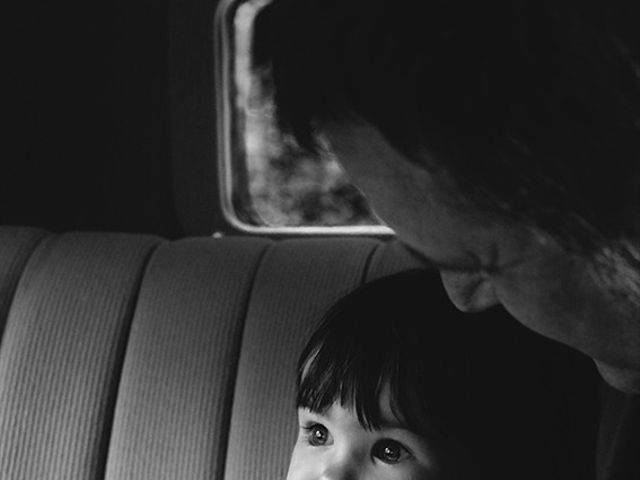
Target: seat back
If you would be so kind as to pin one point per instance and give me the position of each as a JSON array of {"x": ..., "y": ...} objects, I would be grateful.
[{"x": 131, "y": 357}]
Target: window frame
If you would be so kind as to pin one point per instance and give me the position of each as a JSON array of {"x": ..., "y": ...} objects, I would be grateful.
[{"x": 226, "y": 117}]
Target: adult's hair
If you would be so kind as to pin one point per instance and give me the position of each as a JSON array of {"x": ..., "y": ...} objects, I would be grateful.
[
  {"x": 532, "y": 106},
  {"x": 517, "y": 405}
]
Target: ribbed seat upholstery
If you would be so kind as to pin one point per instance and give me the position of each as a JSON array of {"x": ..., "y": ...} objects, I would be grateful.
[{"x": 131, "y": 357}]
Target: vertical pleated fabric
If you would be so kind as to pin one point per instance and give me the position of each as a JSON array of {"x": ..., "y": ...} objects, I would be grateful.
[
  {"x": 174, "y": 402},
  {"x": 125, "y": 357},
  {"x": 16, "y": 246},
  {"x": 297, "y": 281},
  {"x": 62, "y": 351}
]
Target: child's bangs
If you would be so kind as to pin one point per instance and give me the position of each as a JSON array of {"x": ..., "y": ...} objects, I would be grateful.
[
  {"x": 374, "y": 346},
  {"x": 356, "y": 374},
  {"x": 324, "y": 382}
]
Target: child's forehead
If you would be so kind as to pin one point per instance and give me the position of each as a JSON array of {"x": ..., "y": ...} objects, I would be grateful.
[
  {"x": 387, "y": 412},
  {"x": 338, "y": 413},
  {"x": 372, "y": 388},
  {"x": 390, "y": 413}
]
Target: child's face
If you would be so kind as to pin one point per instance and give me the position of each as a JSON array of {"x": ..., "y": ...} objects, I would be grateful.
[{"x": 334, "y": 446}]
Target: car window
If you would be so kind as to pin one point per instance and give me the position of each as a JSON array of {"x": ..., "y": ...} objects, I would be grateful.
[{"x": 269, "y": 183}]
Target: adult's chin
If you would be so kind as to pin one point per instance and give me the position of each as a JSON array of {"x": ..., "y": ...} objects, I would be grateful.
[{"x": 627, "y": 381}]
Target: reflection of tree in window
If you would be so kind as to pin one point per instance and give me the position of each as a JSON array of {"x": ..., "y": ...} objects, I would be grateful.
[{"x": 284, "y": 187}]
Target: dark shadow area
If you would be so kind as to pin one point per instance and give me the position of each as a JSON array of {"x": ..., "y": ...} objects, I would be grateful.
[{"x": 88, "y": 144}]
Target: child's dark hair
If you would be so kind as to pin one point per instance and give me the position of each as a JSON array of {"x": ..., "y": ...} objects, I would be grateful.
[{"x": 480, "y": 382}]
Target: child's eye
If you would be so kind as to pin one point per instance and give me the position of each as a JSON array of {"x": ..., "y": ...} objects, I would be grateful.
[
  {"x": 390, "y": 451},
  {"x": 317, "y": 434}
]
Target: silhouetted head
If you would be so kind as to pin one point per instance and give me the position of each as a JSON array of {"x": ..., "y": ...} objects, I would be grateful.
[{"x": 499, "y": 139}]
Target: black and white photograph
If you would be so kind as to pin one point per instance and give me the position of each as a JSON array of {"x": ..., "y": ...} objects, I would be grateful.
[{"x": 320, "y": 240}]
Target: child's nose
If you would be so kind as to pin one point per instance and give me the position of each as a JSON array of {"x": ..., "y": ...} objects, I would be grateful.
[
  {"x": 339, "y": 469},
  {"x": 470, "y": 292}
]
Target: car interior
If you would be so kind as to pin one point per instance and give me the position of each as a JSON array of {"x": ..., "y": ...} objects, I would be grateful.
[
  {"x": 145, "y": 335},
  {"x": 149, "y": 331}
]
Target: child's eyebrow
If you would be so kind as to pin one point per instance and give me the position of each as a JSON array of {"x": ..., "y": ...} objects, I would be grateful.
[
  {"x": 310, "y": 409},
  {"x": 395, "y": 425}
]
